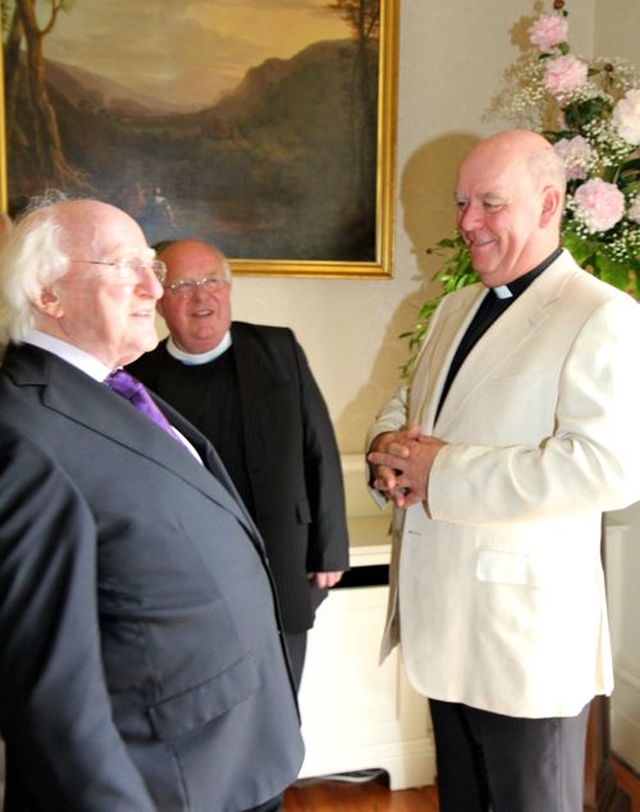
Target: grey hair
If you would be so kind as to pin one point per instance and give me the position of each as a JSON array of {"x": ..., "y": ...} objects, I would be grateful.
[
  {"x": 226, "y": 265},
  {"x": 30, "y": 260},
  {"x": 547, "y": 167}
]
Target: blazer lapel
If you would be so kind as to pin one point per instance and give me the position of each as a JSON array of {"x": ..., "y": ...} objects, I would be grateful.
[
  {"x": 439, "y": 347},
  {"x": 499, "y": 344}
]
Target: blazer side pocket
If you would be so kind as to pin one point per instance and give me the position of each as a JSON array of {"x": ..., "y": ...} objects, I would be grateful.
[
  {"x": 303, "y": 511},
  {"x": 181, "y": 713},
  {"x": 517, "y": 569}
]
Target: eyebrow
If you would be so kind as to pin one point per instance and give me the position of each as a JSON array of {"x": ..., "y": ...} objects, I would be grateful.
[{"x": 487, "y": 197}]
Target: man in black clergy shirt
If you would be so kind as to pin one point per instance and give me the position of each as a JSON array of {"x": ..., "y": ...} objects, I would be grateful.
[{"x": 249, "y": 389}]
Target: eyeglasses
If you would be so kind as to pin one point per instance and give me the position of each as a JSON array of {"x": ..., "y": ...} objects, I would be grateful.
[
  {"x": 131, "y": 268},
  {"x": 187, "y": 287}
]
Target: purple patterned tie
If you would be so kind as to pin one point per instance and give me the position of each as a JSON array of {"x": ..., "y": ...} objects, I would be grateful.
[{"x": 132, "y": 390}]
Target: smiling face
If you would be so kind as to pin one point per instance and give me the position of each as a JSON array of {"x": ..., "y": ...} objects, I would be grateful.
[
  {"x": 509, "y": 203},
  {"x": 198, "y": 316},
  {"x": 104, "y": 311}
]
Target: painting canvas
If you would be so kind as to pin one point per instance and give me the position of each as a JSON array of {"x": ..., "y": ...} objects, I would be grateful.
[{"x": 264, "y": 126}]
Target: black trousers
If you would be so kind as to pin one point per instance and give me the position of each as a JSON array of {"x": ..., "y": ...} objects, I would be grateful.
[
  {"x": 297, "y": 648},
  {"x": 487, "y": 762}
]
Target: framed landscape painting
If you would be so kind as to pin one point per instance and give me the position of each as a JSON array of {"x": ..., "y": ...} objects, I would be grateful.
[{"x": 266, "y": 127}]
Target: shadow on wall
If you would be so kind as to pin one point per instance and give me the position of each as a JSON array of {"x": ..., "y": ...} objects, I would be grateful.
[{"x": 426, "y": 195}]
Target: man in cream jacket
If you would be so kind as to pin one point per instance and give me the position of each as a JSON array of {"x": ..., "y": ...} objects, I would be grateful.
[{"x": 519, "y": 428}]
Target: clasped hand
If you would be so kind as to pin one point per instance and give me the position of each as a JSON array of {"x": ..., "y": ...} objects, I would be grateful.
[{"x": 401, "y": 462}]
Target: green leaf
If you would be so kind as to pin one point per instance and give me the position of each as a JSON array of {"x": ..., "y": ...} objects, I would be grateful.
[
  {"x": 582, "y": 250},
  {"x": 615, "y": 273}
]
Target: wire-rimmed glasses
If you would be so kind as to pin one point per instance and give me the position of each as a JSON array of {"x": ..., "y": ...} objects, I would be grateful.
[
  {"x": 188, "y": 287},
  {"x": 129, "y": 269}
]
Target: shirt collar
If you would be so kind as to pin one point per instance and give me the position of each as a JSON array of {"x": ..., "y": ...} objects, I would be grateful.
[
  {"x": 73, "y": 355},
  {"x": 195, "y": 359},
  {"x": 519, "y": 285}
]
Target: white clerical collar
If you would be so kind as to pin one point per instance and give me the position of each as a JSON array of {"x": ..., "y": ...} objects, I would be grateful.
[
  {"x": 73, "y": 355},
  {"x": 195, "y": 359},
  {"x": 502, "y": 292}
]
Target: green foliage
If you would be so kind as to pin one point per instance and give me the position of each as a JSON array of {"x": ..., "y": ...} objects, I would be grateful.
[{"x": 456, "y": 272}]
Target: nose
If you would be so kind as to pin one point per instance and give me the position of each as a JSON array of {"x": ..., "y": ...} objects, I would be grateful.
[
  {"x": 200, "y": 292},
  {"x": 203, "y": 291},
  {"x": 149, "y": 284},
  {"x": 469, "y": 217}
]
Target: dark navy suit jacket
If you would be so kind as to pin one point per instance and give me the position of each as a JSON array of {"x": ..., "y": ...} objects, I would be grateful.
[{"x": 141, "y": 665}]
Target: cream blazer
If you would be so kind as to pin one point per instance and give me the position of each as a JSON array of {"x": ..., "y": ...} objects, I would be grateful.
[{"x": 497, "y": 590}]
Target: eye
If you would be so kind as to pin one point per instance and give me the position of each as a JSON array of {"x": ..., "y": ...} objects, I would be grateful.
[
  {"x": 212, "y": 282},
  {"x": 493, "y": 205},
  {"x": 181, "y": 286}
]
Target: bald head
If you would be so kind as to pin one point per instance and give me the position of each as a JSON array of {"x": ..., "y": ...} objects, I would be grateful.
[
  {"x": 510, "y": 196},
  {"x": 197, "y": 302},
  {"x": 524, "y": 151},
  {"x": 89, "y": 227},
  {"x": 194, "y": 254}
]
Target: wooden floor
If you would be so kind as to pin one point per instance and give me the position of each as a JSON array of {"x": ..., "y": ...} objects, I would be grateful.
[{"x": 321, "y": 795}]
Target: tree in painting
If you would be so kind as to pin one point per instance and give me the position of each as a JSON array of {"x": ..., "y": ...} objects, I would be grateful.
[
  {"x": 32, "y": 126},
  {"x": 363, "y": 19}
]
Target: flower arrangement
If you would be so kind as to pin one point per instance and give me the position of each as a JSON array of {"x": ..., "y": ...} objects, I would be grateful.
[{"x": 590, "y": 111}]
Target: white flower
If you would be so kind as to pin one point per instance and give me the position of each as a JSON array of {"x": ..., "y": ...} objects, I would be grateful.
[
  {"x": 634, "y": 210},
  {"x": 626, "y": 116}
]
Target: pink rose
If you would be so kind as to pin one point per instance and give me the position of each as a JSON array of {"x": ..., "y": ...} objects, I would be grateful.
[
  {"x": 565, "y": 74},
  {"x": 575, "y": 153},
  {"x": 599, "y": 205},
  {"x": 547, "y": 32},
  {"x": 626, "y": 116}
]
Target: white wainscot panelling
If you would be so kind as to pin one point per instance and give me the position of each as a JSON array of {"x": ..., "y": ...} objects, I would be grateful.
[
  {"x": 357, "y": 714},
  {"x": 623, "y": 576}
]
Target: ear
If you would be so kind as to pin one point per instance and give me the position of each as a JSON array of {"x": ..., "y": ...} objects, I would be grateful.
[
  {"x": 49, "y": 303},
  {"x": 551, "y": 205}
]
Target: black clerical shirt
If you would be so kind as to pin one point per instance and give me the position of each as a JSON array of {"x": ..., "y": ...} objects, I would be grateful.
[{"x": 495, "y": 302}]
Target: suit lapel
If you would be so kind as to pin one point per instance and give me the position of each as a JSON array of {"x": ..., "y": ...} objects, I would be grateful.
[
  {"x": 89, "y": 403},
  {"x": 254, "y": 387}
]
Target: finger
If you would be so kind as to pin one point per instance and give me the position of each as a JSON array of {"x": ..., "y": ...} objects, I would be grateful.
[{"x": 379, "y": 459}]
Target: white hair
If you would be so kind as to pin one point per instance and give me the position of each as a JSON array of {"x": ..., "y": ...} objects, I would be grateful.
[{"x": 30, "y": 260}]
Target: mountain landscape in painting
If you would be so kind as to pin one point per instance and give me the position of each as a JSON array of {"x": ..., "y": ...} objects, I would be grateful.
[{"x": 282, "y": 166}]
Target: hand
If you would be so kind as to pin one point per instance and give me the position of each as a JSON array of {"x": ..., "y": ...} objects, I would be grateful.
[
  {"x": 324, "y": 580},
  {"x": 385, "y": 475},
  {"x": 401, "y": 462}
]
